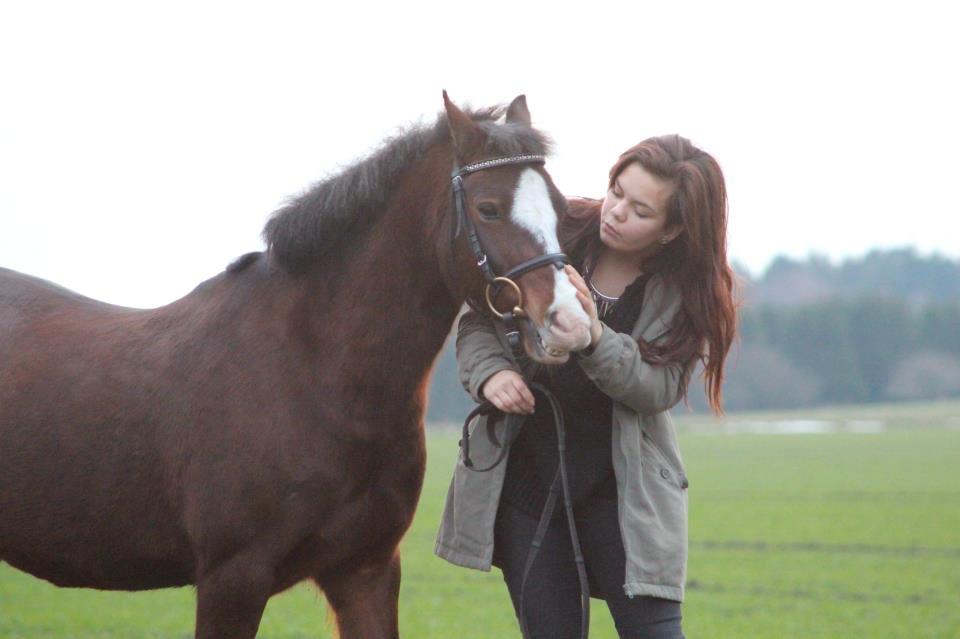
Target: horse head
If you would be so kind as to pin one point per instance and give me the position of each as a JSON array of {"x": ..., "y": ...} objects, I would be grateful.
[{"x": 510, "y": 208}]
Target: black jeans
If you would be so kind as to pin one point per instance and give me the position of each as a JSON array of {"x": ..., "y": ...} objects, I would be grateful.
[{"x": 552, "y": 594}]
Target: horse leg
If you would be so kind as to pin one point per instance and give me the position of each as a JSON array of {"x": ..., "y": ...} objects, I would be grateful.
[
  {"x": 231, "y": 599},
  {"x": 365, "y": 600}
]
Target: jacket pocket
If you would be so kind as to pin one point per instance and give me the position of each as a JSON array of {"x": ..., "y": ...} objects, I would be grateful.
[
  {"x": 668, "y": 471},
  {"x": 657, "y": 541}
]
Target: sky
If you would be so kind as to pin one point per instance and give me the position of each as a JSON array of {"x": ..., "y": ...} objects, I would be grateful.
[{"x": 144, "y": 145}]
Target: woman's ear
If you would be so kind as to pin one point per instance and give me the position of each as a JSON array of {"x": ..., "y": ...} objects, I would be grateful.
[{"x": 671, "y": 234}]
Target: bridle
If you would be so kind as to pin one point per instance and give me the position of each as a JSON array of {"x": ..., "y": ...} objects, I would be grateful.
[
  {"x": 560, "y": 485},
  {"x": 495, "y": 282}
]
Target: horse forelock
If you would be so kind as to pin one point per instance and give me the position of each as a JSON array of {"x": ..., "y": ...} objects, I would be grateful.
[{"x": 345, "y": 205}]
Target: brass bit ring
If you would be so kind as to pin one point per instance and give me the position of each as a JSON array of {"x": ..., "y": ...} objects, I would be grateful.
[{"x": 518, "y": 309}]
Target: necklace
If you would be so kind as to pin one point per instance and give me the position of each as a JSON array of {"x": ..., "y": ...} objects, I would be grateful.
[{"x": 603, "y": 301}]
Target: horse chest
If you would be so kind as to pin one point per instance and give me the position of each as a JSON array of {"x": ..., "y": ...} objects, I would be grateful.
[
  {"x": 384, "y": 491},
  {"x": 365, "y": 512}
]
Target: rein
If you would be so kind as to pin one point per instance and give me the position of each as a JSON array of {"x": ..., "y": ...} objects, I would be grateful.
[{"x": 560, "y": 481}]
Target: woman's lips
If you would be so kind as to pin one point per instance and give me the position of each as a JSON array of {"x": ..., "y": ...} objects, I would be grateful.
[{"x": 609, "y": 229}]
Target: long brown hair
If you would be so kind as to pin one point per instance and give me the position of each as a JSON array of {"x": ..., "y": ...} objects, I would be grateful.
[{"x": 696, "y": 260}]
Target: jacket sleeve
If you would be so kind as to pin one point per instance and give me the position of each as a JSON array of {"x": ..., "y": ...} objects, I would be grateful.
[
  {"x": 479, "y": 353},
  {"x": 617, "y": 369}
]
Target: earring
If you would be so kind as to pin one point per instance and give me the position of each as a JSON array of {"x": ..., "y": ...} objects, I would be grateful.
[{"x": 664, "y": 241}]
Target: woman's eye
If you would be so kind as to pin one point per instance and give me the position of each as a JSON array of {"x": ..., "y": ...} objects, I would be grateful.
[{"x": 488, "y": 211}]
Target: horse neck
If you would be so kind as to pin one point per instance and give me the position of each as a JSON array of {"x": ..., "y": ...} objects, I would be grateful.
[{"x": 381, "y": 306}]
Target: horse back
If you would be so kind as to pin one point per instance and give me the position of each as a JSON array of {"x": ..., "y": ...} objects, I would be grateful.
[
  {"x": 124, "y": 432},
  {"x": 76, "y": 465},
  {"x": 140, "y": 428}
]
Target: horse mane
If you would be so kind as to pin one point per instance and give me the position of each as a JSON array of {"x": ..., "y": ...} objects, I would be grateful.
[
  {"x": 243, "y": 261},
  {"x": 345, "y": 205}
]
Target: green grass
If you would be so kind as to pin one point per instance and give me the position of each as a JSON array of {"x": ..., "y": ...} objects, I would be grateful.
[{"x": 832, "y": 535}]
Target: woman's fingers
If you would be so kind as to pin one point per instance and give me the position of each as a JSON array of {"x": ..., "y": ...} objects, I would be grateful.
[
  {"x": 576, "y": 279},
  {"x": 583, "y": 293},
  {"x": 501, "y": 402},
  {"x": 507, "y": 402},
  {"x": 508, "y": 392},
  {"x": 526, "y": 400},
  {"x": 512, "y": 399},
  {"x": 589, "y": 306},
  {"x": 515, "y": 400}
]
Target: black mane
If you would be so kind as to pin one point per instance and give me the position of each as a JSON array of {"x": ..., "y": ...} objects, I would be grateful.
[
  {"x": 345, "y": 205},
  {"x": 243, "y": 261}
]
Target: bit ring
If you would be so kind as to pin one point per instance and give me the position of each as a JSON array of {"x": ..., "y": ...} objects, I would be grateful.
[{"x": 518, "y": 309}]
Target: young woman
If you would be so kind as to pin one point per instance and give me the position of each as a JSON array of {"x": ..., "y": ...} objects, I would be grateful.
[{"x": 658, "y": 289}]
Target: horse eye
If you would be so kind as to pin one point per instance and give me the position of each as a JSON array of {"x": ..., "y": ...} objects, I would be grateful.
[{"x": 488, "y": 211}]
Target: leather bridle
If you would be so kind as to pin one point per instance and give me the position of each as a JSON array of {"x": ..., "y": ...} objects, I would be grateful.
[
  {"x": 495, "y": 282},
  {"x": 560, "y": 485}
]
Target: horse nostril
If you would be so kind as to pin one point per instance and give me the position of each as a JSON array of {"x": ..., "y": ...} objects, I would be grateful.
[
  {"x": 565, "y": 321},
  {"x": 558, "y": 320},
  {"x": 551, "y": 318}
]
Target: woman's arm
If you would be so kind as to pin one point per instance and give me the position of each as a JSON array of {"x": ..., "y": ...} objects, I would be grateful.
[
  {"x": 479, "y": 353},
  {"x": 614, "y": 364},
  {"x": 617, "y": 369}
]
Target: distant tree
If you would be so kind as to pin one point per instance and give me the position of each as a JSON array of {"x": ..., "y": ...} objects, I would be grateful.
[
  {"x": 759, "y": 376},
  {"x": 881, "y": 331},
  {"x": 741, "y": 269},
  {"x": 903, "y": 273},
  {"x": 900, "y": 272},
  {"x": 818, "y": 338},
  {"x": 812, "y": 332},
  {"x": 940, "y": 327},
  {"x": 926, "y": 375},
  {"x": 789, "y": 282}
]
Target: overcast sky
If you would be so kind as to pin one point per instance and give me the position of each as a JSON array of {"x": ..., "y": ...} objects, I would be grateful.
[{"x": 143, "y": 146}]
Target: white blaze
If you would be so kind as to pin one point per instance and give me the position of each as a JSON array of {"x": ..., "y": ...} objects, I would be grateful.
[{"x": 533, "y": 210}]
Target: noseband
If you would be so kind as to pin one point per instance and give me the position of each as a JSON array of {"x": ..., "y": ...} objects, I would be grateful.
[{"x": 495, "y": 282}]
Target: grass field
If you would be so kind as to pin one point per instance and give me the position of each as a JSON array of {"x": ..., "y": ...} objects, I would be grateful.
[{"x": 852, "y": 532}]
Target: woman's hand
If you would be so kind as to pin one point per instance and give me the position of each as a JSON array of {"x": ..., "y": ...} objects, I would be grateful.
[
  {"x": 586, "y": 301},
  {"x": 508, "y": 392}
]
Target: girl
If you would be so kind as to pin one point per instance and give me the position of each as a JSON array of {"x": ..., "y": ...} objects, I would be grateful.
[{"x": 658, "y": 289}]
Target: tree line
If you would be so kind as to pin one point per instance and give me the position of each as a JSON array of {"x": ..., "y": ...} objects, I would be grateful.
[{"x": 882, "y": 327}]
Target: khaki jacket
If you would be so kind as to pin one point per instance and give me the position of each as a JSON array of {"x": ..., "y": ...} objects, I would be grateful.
[{"x": 651, "y": 480}]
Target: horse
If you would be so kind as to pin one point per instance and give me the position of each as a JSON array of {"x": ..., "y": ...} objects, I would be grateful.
[{"x": 268, "y": 427}]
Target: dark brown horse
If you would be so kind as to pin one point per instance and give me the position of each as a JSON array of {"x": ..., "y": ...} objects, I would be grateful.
[{"x": 268, "y": 427}]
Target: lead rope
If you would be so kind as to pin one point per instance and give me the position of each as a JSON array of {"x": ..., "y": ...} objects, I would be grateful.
[{"x": 560, "y": 481}]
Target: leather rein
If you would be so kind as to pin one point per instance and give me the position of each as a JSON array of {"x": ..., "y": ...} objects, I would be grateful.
[{"x": 560, "y": 483}]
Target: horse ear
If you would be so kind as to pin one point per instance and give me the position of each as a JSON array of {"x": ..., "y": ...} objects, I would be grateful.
[
  {"x": 467, "y": 136},
  {"x": 518, "y": 111}
]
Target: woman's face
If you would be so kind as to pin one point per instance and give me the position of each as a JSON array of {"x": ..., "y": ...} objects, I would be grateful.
[{"x": 634, "y": 213}]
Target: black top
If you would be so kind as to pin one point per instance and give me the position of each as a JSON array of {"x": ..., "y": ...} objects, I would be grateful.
[{"x": 587, "y": 413}]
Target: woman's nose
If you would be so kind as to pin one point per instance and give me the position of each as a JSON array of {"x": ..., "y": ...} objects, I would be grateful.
[{"x": 619, "y": 211}]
